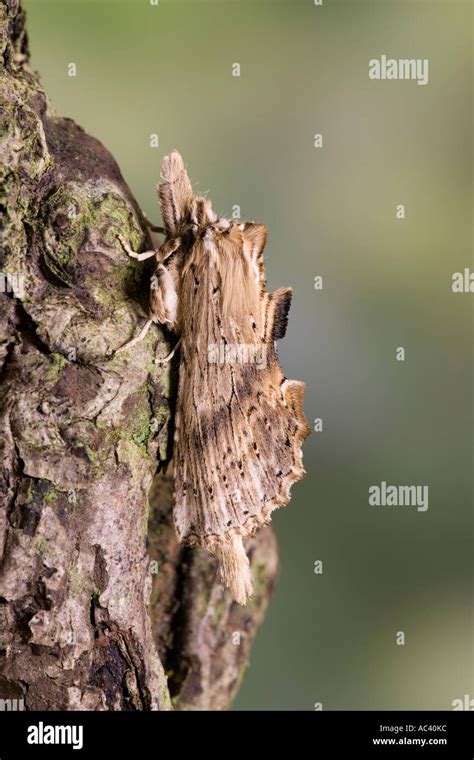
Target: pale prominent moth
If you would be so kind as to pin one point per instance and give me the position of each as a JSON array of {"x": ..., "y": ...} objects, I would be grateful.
[{"x": 239, "y": 422}]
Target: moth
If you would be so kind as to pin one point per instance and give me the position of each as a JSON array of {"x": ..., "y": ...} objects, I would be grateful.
[{"x": 239, "y": 422}]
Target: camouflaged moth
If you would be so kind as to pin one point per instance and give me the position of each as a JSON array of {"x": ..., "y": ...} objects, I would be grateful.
[{"x": 239, "y": 422}]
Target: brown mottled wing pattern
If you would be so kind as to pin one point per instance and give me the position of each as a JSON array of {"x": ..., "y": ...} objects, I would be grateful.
[{"x": 239, "y": 423}]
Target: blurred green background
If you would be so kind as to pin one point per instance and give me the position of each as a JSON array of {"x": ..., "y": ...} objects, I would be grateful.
[{"x": 167, "y": 69}]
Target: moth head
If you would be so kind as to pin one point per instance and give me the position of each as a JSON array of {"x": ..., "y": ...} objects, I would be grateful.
[{"x": 202, "y": 215}]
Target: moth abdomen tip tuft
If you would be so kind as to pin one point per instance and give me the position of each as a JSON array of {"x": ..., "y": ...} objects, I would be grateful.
[{"x": 234, "y": 565}]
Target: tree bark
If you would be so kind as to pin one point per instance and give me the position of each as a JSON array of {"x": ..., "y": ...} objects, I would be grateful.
[{"x": 100, "y": 609}]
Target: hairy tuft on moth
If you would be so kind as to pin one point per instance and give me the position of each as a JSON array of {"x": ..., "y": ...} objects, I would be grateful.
[{"x": 239, "y": 422}]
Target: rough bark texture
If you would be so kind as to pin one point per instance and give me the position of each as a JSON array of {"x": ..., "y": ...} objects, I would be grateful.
[{"x": 93, "y": 615}]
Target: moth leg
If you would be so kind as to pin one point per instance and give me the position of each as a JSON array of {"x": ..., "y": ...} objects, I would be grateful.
[
  {"x": 137, "y": 338},
  {"x": 151, "y": 226},
  {"x": 167, "y": 249},
  {"x": 164, "y": 297},
  {"x": 170, "y": 355},
  {"x": 134, "y": 254}
]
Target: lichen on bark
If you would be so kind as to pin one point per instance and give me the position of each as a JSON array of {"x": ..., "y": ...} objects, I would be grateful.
[{"x": 83, "y": 433}]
